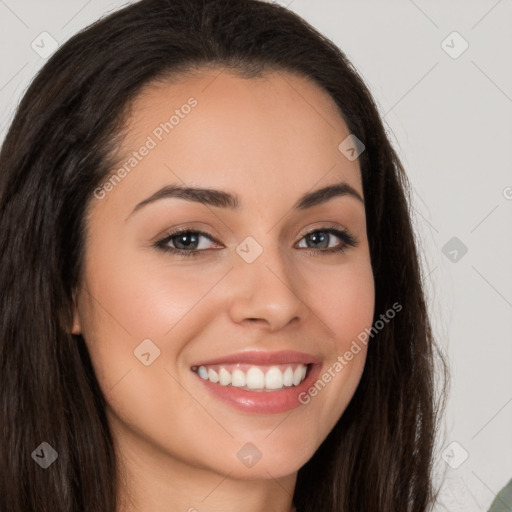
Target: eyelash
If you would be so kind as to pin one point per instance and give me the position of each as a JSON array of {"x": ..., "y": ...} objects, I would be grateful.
[{"x": 348, "y": 240}]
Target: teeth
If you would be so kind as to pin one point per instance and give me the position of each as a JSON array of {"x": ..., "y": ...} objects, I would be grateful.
[
  {"x": 255, "y": 377},
  {"x": 213, "y": 376},
  {"x": 237, "y": 378},
  {"x": 298, "y": 375},
  {"x": 288, "y": 377},
  {"x": 274, "y": 378},
  {"x": 203, "y": 372},
  {"x": 224, "y": 377}
]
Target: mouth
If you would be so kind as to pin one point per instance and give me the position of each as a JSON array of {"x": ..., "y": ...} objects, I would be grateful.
[
  {"x": 259, "y": 382},
  {"x": 255, "y": 378}
]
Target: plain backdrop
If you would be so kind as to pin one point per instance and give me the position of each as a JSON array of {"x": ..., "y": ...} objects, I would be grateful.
[{"x": 441, "y": 74}]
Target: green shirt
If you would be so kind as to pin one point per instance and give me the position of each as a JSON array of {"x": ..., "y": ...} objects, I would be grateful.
[{"x": 503, "y": 501}]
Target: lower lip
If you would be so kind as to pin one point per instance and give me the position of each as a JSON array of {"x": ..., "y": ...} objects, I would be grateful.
[{"x": 263, "y": 402}]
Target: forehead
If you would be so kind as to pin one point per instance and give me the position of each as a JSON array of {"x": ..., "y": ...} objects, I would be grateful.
[
  {"x": 216, "y": 86},
  {"x": 274, "y": 134}
]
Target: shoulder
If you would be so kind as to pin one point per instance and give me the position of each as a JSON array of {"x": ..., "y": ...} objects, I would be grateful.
[{"x": 503, "y": 501}]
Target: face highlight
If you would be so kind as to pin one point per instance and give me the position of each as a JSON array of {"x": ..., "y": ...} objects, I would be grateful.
[{"x": 212, "y": 289}]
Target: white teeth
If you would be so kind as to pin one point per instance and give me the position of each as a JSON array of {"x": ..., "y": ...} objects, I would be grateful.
[
  {"x": 297, "y": 376},
  {"x": 274, "y": 378},
  {"x": 288, "y": 377},
  {"x": 237, "y": 378},
  {"x": 224, "y": 377},
  {"x": 213, "y": 376},
  {"x": 255, "y": 378}
]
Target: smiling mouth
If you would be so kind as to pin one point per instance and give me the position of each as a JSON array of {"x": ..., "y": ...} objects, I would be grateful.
[{"x": 259, "y": 378}]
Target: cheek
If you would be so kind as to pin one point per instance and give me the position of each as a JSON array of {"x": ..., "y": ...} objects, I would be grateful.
[
  {"x": 343, "y": 298},
  {"x": 145, "y": 298},
  {"x": 355, "y": 304},
  {"x": 344, "y": 302},
  {"x": 127, "y": 303}
]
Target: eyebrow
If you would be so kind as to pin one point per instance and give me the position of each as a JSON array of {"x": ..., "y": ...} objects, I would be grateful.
[{"x": 221, "y": 199}]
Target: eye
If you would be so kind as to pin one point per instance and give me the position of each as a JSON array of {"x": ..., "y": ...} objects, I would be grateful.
[
  {"x": 187, "y": 242},
  {"x": 323, "y": 236}
]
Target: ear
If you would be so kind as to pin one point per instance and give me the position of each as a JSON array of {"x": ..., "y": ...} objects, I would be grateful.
[{"x": 76, "y": 329}]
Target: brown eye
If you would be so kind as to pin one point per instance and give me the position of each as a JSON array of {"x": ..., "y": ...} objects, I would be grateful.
[{"x": 184, "y": 242}]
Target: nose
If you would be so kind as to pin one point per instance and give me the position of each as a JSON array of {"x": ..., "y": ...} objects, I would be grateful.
[{"x": 266, "y": 292}]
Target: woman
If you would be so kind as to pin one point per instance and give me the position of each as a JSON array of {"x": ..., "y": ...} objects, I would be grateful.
[{"x": 262, "y": 373}]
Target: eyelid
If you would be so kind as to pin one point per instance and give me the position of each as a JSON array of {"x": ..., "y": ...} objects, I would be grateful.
[
  {"x": 174, "y": 231},
  {"x": 166, "y": 236}
]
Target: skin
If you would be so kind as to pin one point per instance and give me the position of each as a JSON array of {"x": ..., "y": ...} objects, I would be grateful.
[{"x": 269, "y": 140}]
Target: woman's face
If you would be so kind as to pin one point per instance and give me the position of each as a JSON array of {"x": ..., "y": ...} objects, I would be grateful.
[{"x": 253, "y": 303}]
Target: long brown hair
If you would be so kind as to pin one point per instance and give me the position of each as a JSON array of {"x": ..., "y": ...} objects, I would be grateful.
[{"x": 61, "y": 146}]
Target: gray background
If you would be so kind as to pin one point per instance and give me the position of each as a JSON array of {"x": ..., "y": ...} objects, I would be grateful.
[{"x": 449, "y": 116}]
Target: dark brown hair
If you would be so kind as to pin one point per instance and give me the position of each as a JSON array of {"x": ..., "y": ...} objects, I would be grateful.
[{"x": 61, "y": 146}]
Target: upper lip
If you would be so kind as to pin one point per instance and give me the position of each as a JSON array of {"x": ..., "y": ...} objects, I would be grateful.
[{"x": 263, "y": 358}]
